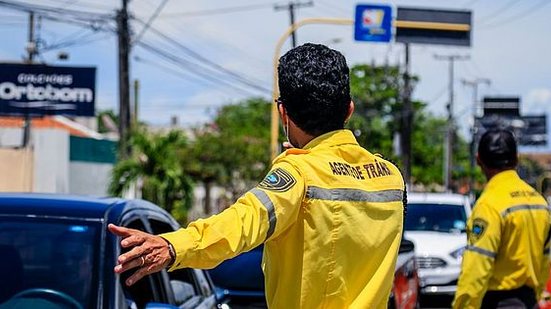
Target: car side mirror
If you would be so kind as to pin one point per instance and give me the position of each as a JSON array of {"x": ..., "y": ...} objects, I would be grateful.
[{"x": 406, "y": 246}]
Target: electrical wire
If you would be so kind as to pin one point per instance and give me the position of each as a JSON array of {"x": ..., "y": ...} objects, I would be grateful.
[
  {"x": 189, "y": 66},
  {"x": 333, "y": 7},
  {"x": 29, "y": 7},
  {"x": 84, "y": 4},
  {"x": 150, "y": 21},
  {"x": 469, "y": 3},
  {"x": 227, "y": 47},
  {"x": 171, "y": 70},
  {"x": 219, "y": 11},
  {"x": 499, "y": 11},
  {"x": 79, "y": 42},
  {"x": 213, "y": 65},
  {"x": 515, "y": 18},
  {"x": 101, "y": 22}
]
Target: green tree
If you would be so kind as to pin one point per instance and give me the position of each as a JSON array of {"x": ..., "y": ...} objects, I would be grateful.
[
  {"x": 376, "y": 92},
  {"x": 232, "y": 150},
  {"x": 155, "y": 164},
  {"x": 204, "y": 161},
  {"x": 427, "y": 149},
  {"x": 244, "y": 130}
]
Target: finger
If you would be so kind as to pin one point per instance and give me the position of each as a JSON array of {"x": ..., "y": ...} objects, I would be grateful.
[
  {"x": 120, "y": 231},
  {"x": 133, "y": 240},
  {"x": 139, "y": 274},
  {"x": 135, "y": 253},
  {"x": 128, "y": 265}
]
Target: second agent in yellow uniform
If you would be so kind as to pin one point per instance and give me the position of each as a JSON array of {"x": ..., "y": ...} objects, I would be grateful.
[
  {"x": 329, "y": 212},
  {"x": 506, "y": 262}
]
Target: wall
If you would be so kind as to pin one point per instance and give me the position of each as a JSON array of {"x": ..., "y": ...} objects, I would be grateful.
[
  {"x": 16, "y": 166},
  {"x": 89, "y": 178},
  {"x": 55, "y": 163},
  {"x": 48, "y": 164},
  {"x": 51, "y": 160},
  {"x": 91, "y": 162}
]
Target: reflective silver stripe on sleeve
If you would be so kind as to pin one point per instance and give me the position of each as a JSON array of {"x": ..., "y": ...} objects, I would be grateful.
[
  {"x": 524, "y": 207},
  {"x": 267, "y": 202},
  {"x": 354, "y": 195},
  {"x": 482, "y": 251}
]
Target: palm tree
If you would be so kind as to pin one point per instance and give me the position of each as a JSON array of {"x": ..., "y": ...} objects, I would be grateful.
[{"x": 155, "y": 164}]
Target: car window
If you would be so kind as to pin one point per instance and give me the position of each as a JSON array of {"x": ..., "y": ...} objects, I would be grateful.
[
  {"x": 190, "y": 286},
  {"x": 435, "y": 217},
  {"x": 145, "y": 290},
  {"x": 49, "y": 255},
  {"x": 203, "y": 283}
]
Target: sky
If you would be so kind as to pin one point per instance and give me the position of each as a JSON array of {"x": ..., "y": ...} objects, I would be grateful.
[{"x": 510, "y": 47}]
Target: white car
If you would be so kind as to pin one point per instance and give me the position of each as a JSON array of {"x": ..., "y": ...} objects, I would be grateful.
[{"x": 436, "y": 223}]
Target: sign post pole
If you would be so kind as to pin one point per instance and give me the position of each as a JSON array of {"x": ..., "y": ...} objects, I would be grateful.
[{"x": 31, "y": 50}]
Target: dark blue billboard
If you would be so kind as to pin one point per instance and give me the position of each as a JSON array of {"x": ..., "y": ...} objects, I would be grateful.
[{"x": 36, "y": 90}]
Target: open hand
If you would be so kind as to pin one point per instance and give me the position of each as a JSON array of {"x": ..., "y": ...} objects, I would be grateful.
[{"x": 148, "y": 253}]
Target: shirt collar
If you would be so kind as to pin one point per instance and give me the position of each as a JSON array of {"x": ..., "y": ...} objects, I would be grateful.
[
  {"x": 501, "y": 177},
  {"x": 333, "y": 138}
]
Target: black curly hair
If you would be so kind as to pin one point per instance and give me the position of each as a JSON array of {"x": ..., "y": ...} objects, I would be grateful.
[
  {"x": 314, "y": 85},
  {"x": 498, "y": 149}
]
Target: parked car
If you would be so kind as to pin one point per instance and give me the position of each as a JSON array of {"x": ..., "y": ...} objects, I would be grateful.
[
  {"x": 240, "y": 280},
  {"x": 56, "y": 252},
  {"x": 436, "y": 223}
]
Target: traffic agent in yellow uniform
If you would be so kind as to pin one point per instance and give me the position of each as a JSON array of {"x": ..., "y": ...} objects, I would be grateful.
[
  {"x": 329, "y": 212},
  {"x": 506, "y": 262},
  {"x": 331, "y": 216}
]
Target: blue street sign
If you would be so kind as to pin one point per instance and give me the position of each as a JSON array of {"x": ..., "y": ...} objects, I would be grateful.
[{"x": 373, "y": 23}]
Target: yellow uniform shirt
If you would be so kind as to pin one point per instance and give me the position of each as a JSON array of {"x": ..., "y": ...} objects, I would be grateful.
[
  {"x": 331, "y": 217},
  {"x": 507, "y": 241}
]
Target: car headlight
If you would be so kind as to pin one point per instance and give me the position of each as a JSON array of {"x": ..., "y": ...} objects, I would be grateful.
[{"x": 457, "y": 253}]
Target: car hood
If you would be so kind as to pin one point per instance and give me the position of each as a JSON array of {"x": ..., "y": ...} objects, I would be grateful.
[{"x": 435, "y": 243}]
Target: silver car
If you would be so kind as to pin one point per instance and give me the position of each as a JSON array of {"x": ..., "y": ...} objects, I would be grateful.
[{"x": 436, "y": 223}]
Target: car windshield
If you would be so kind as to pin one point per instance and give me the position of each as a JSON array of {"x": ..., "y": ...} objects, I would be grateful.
[
  {"x": 47, "y": 255},
  {"x": 435, "y": 217}
]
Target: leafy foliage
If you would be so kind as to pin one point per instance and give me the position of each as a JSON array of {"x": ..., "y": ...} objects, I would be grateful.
[
  {"x": 376, "y": 92},
  {"x": 233, "y": 150},
  {"x": 154, "y": 165}
]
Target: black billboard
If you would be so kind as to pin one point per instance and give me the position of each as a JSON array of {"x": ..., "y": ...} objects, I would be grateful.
[
  {"x": 36, "y": 90},
  {"x": 430, "y": 26},
  {"x": 529, "y": 130},
  {"x": 507, "y": 106}
]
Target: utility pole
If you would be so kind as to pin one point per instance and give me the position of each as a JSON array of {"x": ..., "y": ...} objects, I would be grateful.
[
  {"x": 136, "y": 95},
  {"x": 291, "y": 6},
  {"x": 448, "y": 153},
  {"x": 31, "y": 51},
  {"x": 472, "y": 151},
  {"x": 124, "y": 82},
  {"x": 407, "y": 122}
]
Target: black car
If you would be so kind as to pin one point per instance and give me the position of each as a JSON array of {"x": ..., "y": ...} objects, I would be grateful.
[{"x": 56, "y": 252}]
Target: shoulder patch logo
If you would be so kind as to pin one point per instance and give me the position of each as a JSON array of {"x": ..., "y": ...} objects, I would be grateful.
[
  {"x": 278, "y": 180},
  {"x": 479, "y": 227}
]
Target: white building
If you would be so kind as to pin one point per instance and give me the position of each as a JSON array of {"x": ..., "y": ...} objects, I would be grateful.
[{"x": 63, "y": 156}]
